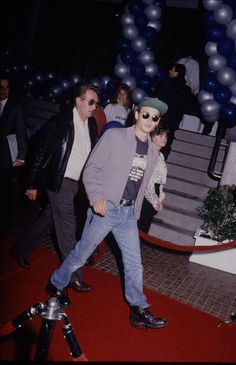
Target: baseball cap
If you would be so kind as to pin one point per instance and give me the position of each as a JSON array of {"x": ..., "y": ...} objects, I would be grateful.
[{"x": 154, "y": 103}]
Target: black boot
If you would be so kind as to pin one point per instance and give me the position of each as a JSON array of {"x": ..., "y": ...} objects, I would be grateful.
[
  {"x": 60, "y": 294},
  {"x": 141, "y": 317}
]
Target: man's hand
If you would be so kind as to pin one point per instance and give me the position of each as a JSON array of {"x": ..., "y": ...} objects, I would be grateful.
[
  {"x": 31, "y": 194},
  {"x": 18, "y": 163},
  {"x": 100, "y": 207}
]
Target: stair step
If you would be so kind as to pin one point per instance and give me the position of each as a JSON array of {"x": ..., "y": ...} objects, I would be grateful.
[
  {"x": 180, "y": 218},
  {"x": 172, "y": 199},
  {"x": 190, "y": 174},
  {"x": 187, "y": 160},
  {"x": 171, "y": 234},
  {"x": 194, "y": 190}
]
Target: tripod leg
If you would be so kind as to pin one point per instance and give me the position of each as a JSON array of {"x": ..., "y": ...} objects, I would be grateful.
[
  {"x": 75, "y": 349},
  {"x": 44, "y": 339}
]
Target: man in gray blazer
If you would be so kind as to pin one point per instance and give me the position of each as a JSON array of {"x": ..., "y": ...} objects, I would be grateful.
[{"x": 115, "y": 177}]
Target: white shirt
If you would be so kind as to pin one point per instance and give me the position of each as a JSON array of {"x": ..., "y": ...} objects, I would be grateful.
[
  {"x": 192, "y": 73},
  {"x": 80, "y": 149},
  {"x": 116, "y": 112}
]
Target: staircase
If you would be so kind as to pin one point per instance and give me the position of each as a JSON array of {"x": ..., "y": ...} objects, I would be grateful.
[{"x": 187, "y": 186}]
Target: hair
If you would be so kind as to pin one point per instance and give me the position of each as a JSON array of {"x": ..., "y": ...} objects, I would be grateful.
[
  {"x": 5, "y": 76},
  {"x": 126, "y": 88},
  {"x": 80, "y": 90},
  {"x": 161, "y": 128},
  {"x": 181, "y": 69}
]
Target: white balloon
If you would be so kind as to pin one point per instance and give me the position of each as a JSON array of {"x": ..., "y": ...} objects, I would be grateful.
[
  {"x": 211, "y": 118},
  {"x": 203, "y": 96},
  {"x": 146, "y": 57},
  {"x": 233, "y": 88},
  {"x": 156, "y": 24},
  {"x": 148, "y": 2},
  {"x": 233, "y": 100},
  {"x": 223, "y": 14},
  {"x": 211, "y": 48},
  {"x": 231, "y": 29},
  {"x": 153, "y": 12},
  {"x": 151, "y": 69},
  {"x": 226, "y": 76},
  {"x": 138, "y": 95},
  {"x": 211, "y": 4},
  {"x": 130, "y": 81},
  {"x": 130, "y": 31},
  {"x": 210, "y": 108},
  {"x": 139, "y": 44},
  {"x": 121, "y": 70},
  {"x": 126, "y": 19},
  {"x": 216, "y": 62}
]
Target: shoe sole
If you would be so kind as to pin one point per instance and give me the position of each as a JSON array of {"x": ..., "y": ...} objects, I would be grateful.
[{"x": 145, "y": 326}]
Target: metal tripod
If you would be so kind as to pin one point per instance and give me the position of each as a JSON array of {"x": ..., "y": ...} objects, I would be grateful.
[{"x": 50, "y": 313}]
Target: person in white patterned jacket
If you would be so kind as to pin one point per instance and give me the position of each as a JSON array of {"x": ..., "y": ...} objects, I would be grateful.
[{"x": 154, "y": 195}]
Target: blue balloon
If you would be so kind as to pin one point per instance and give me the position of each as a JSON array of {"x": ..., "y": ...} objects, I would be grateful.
[
  {"x": 112, "y": 85},
  {"x": 128, "y": 57},
  {"x": 149, "y": 33},
  {"x": 208, "y": 18},
  {"x": 222, "y": 94},
  {"x": 231, "y": 61},
  {"x": 228, "y": 115},
  {"x": 124, "y": 44},
  {"x": 145, "y": 83},
  {"x": 65, "y": 84},
  {"x": 137, "y": 70},
  {"x": 210, "y": 84},
  {"x": 38, "y": 77},
  {"x": 141, "y": 21},
  {"x": 109, "y": 125},
  {"x": 216, "y": 32},
  {"x": 207, "y": 71},
  {"x": 56, "y": 90},
  {"x": 136, "y": 7},
  {"x": 225, "y": 46},
  {"x": 75, "y": 79}
]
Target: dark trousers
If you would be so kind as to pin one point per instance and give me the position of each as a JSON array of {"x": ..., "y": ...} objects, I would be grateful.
[
  {"x": 65, "y": 220},
  {"x": 27, "y": 242},
  {"x": 5, "y": 199},
  {"x": 146, "y": 216}
]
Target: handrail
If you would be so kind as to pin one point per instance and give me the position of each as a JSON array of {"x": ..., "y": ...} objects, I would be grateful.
[{"x": 218, "y": 143}]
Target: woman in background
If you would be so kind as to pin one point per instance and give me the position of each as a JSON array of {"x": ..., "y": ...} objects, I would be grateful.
[
  {"x": 155, "y": 195},
  {"x": 120, "y": 105}
]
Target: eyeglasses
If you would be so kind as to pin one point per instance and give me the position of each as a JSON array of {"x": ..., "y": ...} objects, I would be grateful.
[
  {"x": 91, "y": 102},
  {"x": 146, "y": 115}
]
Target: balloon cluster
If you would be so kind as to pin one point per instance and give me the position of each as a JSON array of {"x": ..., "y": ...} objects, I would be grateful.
[
  {"x": 135, "y": 62},
  {"x": 218, "y": 94}
]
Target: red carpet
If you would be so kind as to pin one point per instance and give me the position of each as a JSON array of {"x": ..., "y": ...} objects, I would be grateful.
[{"x": 100, "y": 320}]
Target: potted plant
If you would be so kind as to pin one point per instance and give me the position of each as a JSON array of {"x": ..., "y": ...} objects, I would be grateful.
[{"x": 218, "y": 212}]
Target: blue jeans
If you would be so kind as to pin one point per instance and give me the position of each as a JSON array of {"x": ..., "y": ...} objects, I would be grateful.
[{"x": 122, "y": 222}]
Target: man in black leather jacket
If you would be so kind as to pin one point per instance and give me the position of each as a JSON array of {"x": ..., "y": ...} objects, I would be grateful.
[{"x": 57, "y": 167}]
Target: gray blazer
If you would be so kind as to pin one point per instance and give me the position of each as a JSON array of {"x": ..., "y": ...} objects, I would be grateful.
[{"x": 107, "y": 169}]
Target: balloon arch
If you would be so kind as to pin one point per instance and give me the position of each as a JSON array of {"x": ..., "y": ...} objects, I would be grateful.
[{"x": 136, "y": 67}]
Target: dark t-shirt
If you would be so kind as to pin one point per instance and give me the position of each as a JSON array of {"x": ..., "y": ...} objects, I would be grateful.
[{"x": 137, "y": 171}]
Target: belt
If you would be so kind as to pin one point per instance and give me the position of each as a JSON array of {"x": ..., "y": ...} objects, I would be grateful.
[
  {"x": 68, "y": 178},
  {"x": 126, "y": 202}
]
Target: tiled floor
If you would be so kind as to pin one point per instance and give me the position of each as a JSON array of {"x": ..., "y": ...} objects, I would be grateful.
[{"x": 168, "y": 272}]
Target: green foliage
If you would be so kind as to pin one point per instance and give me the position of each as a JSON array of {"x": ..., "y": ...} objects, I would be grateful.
[{"x": 218, "y": 212}]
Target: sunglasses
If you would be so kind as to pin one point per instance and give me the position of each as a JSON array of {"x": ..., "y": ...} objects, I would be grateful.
[
  {"x": 146, "y": 115},
  {"x": 91, "y": 102}
]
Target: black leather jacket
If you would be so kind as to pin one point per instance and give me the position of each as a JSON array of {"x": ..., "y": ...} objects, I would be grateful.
[{"x": 49, "y": 164}]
